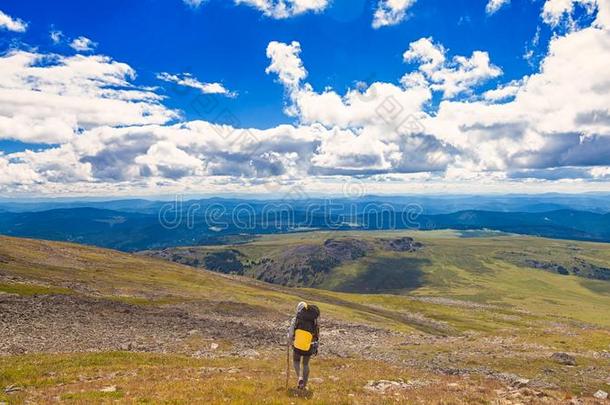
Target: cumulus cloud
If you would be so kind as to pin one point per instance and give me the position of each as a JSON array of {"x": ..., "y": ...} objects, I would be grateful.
[
  {"x": 452, "y": 77},
  {"x": 379, "y": 122},
  {"x": 50, "y": 98},
  {"x": 286, "y": 63},
  {"x": 555, "y": 119},
  {"x": 280, "y": 9},
  {"x": 554, "y": 12},
  {"x": 495, "y": 5},
  {"x": 187, "y": 80},
  {"x": 11, "y": 24},
  {"x": 83, "y": 44},
  {"x": 391, "y": 12}
]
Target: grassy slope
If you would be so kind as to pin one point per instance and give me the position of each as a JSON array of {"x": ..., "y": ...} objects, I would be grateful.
[
  {"x": 470, "y": 270},
  {"x": 163, "y": 379}
]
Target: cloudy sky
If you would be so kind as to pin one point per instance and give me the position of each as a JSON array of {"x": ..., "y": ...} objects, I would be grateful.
[{"x": 156, "y": 97}]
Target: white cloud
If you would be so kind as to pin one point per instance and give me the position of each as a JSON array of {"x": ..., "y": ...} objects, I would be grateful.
[
  {"x": 453, "y": 77},
  {"x": 504, "y": 91},
  {"x": 357, "y": 108},
  {"x": 391, "y": 12},
  {"x": 286, "y": 62},
  {"x": 83, "y": 44},
  {"x": 187, "y": 80},
  {"x": 12, "y": 24},
  {"x": 50, "y": 98},
  {"x": 379, "y": 122},
  {"x": 430, "y": 56},
  {"x": 164, "y": 159},
  {"x": 193, "y": 3},
  {"x": 554, "y": 12},
  {"x": 56, "y": 36},
  {"x": 559, "y": 117},
  {"x": 495, "y": 5},
  {"x": 280, "y": 9}
]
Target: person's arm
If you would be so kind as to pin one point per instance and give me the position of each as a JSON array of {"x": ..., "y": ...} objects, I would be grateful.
[
  {"x": 291, "y": 329},
  {"x": 316, "y": 333}
]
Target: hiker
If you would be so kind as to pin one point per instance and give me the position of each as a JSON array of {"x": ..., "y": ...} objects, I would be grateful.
[{"x": 303, "y": 335}]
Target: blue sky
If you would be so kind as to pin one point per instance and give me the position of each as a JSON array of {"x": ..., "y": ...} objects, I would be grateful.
[
  {"x": 227, "y": 44},
  {"x": 220, "y": 42}
]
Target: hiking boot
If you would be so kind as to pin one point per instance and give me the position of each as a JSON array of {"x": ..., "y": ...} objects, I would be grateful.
[{"x": 301, "y": 385}]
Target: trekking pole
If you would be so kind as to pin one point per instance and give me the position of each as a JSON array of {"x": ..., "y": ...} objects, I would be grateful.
[{"x": 287, "y": 362}]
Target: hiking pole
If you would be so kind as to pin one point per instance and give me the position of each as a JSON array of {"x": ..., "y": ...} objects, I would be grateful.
[{"x": 287, "y": 362}]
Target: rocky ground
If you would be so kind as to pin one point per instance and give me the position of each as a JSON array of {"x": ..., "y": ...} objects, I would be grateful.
[{"x": 67, "y": 323}]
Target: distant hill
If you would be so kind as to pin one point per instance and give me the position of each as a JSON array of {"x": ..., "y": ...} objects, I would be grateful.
[
  {"x": 136, "y": 225},
  {"x": 431, "y": 204},
  {"x": 392, "y": 262}
]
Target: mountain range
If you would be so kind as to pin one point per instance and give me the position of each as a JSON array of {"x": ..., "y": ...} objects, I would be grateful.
[{"x": 132, "y": 225}]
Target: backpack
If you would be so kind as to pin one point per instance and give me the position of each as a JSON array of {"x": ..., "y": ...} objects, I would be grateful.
[{"x": 305, "y": 327}]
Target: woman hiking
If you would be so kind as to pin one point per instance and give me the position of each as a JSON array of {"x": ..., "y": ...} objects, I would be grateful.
[{"x": 303, "y": 335}]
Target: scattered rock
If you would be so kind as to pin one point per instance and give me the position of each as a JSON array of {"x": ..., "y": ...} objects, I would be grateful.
[
  {"x": 382, "y": 386},
  {"x": 564, "y": 358},
  {"x": 214, "y": 346},
  {"x": 521, "y": 382},
  {"x": 127, "y": 347},
  {"x": 601, "y": 394},
  {"x": 404, "y": 244},
  {"x": 110, "y": 388},
  {"x": 249, "y": 353},
  {"x": 12, "y": 389}
]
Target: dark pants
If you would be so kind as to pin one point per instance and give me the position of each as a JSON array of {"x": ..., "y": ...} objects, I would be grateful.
[{"x": 297, "y": 355}]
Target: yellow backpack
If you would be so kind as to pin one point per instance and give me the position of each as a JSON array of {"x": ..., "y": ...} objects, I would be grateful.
[{"x": 302, "y": 339}]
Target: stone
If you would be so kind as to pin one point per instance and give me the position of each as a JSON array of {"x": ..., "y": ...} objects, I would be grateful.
[
  {"x": 564, "y": 358},
  {"x": 521, "y": 382},
  {"x": 250, "y": 353},
  {"x": 110, "y": 388},
  {"x": 601, "y": 394},
  {"x": 382, "y": 386},
  {"x": 214, "y": 346},
  {"x": 126, "y": 347},
  {"x": 12, "y": 388}
]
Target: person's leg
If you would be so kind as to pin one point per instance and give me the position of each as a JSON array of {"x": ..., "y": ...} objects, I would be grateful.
[
  {"x": 305, "y": 369},
  {"x": 296, "y": 362}
]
